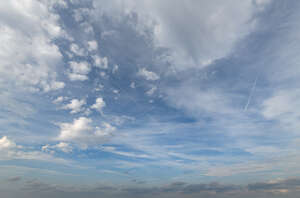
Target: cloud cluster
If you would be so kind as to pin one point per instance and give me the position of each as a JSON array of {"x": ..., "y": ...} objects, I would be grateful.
[
  {"x": 5, "y": 143},
  {"x": 79, "y": 71},
  {"x": 75, "y": 105},
  {"x": 99, "y": 104},
  {"x": 92, "y": 45},
  {"x": 82, "y": 132},
  {"x": 77, "y": 50},
  {"x": 9, "y": 150},
  {"x": 148, "y": 75},
  {"x": 29, "y": 58}
]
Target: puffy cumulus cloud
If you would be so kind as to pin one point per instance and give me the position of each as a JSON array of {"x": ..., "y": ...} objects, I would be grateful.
[
  {"x": 29, "y": 58},
  {"x": 63, "y": 146},
  {"x": 148, "y": 75},
  {"x": 79, "y": 71},
  {"x": 100, "y": 62},
  {"x": 92, "y": 45},
  {"x": 59, "y": 99},
  {"x": 83, "y": 132},
  {"x": 151, "y": 91},
  {"x": 80, "y": 14},
  {"x": 99, "y": 104},
  {"x": 6, "y": 143},
  {"x": 9, "y": 150},
  {"x": 77, "y": 50},
  {"x": 81, "y": 67},
  {"x": 75, "y": 105}
]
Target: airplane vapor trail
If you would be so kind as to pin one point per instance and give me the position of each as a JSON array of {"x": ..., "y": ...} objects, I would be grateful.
[{"x": 251, "y": 93}]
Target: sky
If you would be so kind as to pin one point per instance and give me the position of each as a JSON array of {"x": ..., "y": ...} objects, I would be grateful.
[{"x": 149, "y": 98}]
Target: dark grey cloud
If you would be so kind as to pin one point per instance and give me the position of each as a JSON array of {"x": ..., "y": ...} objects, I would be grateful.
[
  {"x": 288, "y": 184},
  {"x": 14, "y": 179},
  {"x": 212, "y": 187},
  {"x": 138, "y": 181},
  {"x": 277, "y": 188},
  {"x": 38, "y": 186}
]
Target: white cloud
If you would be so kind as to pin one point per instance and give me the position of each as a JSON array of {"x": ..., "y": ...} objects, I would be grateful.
[
  {"x": 283, "y": 102},
  {"x": 63, "y": 146},
  {"x": 99, "y": 87},
  {"x": 77, "y": 50},
  {"x": 29, "y": 58},
  {"x": 60, "y": 3},
  {"x": 123, "y": 153},
  {"x": 283, "y": 106},
  {"x": 82, "y": 131},
  {"x": 262, "y": 2},
  {"x": 120, "y": 120},
  {"x": 54, "y": 85},
  {"x": 100, "y": 62},
  {"x": 59, "y": 99},
  {"x": 5, "y": 143},
  {"x": 99, "y": 105},
  {"x": 79, "y": 71},
  {"x": 79, "y": 14},
  {"x": 151, "y": 91},
  {"x": 115, "y": 69},
  {"x": 115, "y": 91},
  {"x": 70, "y": 131},
  {"x": 103, "y": 74},
  {"x": 10, "y": 150},
  {"x": 208, "y": 31},
  {"x": 92, "y": 45},
  {"x": 196, "y": 101},
  {"x": 148, "y": 75},
  {"x": 75, "y": 77},
  {"x": 132, "y": 85},
  {"x": 75, "y": 105},
  {"x": 81, "y": 67}
]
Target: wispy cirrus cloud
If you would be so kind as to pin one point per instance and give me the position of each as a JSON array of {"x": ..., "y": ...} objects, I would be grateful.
[{"x": 137, "y": 91}]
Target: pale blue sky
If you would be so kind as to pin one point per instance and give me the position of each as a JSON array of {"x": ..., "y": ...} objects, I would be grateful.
[{"x": 161, "y": 98}]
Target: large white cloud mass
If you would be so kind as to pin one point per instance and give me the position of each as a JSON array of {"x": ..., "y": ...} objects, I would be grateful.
[
  {"x": 198, "y": 33},
  {"x": 28, "y": 55}
]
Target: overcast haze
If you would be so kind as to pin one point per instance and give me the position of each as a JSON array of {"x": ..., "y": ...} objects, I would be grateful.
[{"x": 149, "y": 98}]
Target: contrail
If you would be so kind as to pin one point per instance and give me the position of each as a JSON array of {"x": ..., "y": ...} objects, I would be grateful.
[{"x": 251, "y": 93}]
